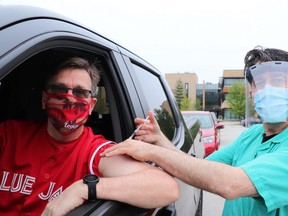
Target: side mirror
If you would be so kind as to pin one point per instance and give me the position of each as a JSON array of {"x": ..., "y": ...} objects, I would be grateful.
[{"x": 219, "y": 126}]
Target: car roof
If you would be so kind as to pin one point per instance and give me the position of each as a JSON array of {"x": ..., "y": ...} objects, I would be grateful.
[
  {"x": 11, "y": 15},
  {"x": 16, "y": 13}
]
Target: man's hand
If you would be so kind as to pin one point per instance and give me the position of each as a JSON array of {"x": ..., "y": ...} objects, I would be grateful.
[{"x": 69, "y": 199}]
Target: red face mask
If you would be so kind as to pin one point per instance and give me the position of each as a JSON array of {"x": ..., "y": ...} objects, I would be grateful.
[{"x": 66, "y": 111}]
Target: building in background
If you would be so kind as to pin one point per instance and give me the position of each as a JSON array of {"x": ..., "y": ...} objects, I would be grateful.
[
  {"x": 208, "y": 94},
  {"x": 209, "y": 97},
  {"x": 189, "y": 81},
  {"x": 229, "y": 77},
  {"x": 212, "y": 96}
]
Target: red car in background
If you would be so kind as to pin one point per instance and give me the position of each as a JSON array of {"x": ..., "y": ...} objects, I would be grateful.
[{"x": 209, "y": 127}]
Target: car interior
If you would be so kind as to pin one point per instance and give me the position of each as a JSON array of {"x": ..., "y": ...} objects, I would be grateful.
[{"x": 21, "y": 91}]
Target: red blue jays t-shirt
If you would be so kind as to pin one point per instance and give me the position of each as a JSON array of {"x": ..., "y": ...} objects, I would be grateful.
[{"x": 35, "y": 168}]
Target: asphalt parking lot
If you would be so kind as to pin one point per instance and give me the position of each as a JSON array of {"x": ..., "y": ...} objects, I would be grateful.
[{"x": 213, "y": 204}]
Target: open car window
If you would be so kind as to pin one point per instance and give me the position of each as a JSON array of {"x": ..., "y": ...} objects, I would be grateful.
[{"x": 21, "y": 90}]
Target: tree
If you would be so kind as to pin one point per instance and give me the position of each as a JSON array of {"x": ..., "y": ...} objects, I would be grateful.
[
  {"x": 185, "y": 104},
  {"x": 236, "y": 98},
  {"x": 197, "y": 105},
  {"x": 178, "y": 92}
]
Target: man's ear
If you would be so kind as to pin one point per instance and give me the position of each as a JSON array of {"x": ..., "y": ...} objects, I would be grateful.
[
  {"x": 93, "y": 102},
  {"x": 44, "y": 99}
]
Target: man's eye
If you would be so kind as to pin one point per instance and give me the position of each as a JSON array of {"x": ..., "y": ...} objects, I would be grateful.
[
  {"x": 79, "y": 92},
  {"x": 59, "y": 89},
  {"x": 260, "y": 83}
]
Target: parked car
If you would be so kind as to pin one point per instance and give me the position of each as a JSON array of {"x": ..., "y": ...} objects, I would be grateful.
[
  {"x": 216, "y": 121},
  {"x": 33, "y": 40},
  {"x": 251, "y": 121},
  {"x": 210, "y": 129}
]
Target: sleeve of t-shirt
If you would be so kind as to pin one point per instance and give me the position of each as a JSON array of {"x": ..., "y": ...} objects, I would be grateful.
[
  {"x": 94, "y": 157},
  {"x": 269, "y": 174},
  {"x": 226, "y": 153},
  {"x": 223, "y": 155}
]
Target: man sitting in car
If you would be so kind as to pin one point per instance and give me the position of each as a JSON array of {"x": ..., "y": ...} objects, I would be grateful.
[{"x": 43, "y": 163}]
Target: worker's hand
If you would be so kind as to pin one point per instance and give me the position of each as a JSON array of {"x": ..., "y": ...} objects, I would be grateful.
[
  {"x": 150, "y": 132},
  {"x": 137, "y": 149}
]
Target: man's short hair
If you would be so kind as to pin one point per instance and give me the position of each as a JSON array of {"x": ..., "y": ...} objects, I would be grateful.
[
  {"x": 260, "y": 54},
  {"x": 78, "y": 63}
]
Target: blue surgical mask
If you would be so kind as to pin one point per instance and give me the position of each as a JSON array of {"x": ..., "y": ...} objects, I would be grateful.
[{"x": 271, "y": 104}]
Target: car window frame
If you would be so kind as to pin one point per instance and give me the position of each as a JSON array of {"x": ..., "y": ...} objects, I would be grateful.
[
  {"x": 39, "y": 47},
  {"x": 179, "y": 133}
]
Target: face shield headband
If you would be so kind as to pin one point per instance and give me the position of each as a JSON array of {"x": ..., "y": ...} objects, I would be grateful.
[
  {"x": 268, "y": 88},
  {"x": 274, "y": 73}
]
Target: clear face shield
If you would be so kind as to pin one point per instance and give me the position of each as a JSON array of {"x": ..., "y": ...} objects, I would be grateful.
[{"x": 266, "y": 92}]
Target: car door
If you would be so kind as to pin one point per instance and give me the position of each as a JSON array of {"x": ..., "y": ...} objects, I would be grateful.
[
  {"x": 155, "y": 95},
  {"x": 125, "y": 90},
  {"x": 25, "y": 60}
]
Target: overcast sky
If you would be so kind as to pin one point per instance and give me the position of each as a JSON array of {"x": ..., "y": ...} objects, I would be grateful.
[{"x": 201, "y": 36}]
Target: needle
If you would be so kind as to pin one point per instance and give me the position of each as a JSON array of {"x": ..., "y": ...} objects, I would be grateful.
[{"x": 138, "y": 128}]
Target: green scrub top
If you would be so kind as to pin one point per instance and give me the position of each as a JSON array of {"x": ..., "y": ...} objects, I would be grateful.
[{"x": 266, "y": 164}]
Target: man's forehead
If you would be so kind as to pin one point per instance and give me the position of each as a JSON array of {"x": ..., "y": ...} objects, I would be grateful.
[
  {"x": 74, "y": 77},
  {"x": 269, "y": 74}
]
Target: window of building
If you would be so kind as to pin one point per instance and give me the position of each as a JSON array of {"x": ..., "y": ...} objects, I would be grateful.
[
  {"x": 212, "y": 96},
  {"x": 187, "y": 89},
  {"x": 228, "y": 115},
  {"x": 229, "y": 81}
]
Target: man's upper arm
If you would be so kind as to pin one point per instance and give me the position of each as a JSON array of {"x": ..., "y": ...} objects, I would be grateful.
[{"x": 120, "y": 165}]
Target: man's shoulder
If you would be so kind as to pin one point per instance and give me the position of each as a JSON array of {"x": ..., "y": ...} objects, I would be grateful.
[{"x": 97, "y": 139}]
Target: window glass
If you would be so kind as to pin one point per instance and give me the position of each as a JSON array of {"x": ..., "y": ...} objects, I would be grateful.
[
  {"x": 214, "y": 117},
  {"x": 205, "y": 120},
  {"x": 229, "y": 115},
  {"x": 229, "y": 81},
  {"x": 102, "y": 105},
  {"x": 187, "y": 89},
  {"x": 157, "y": 100}
]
